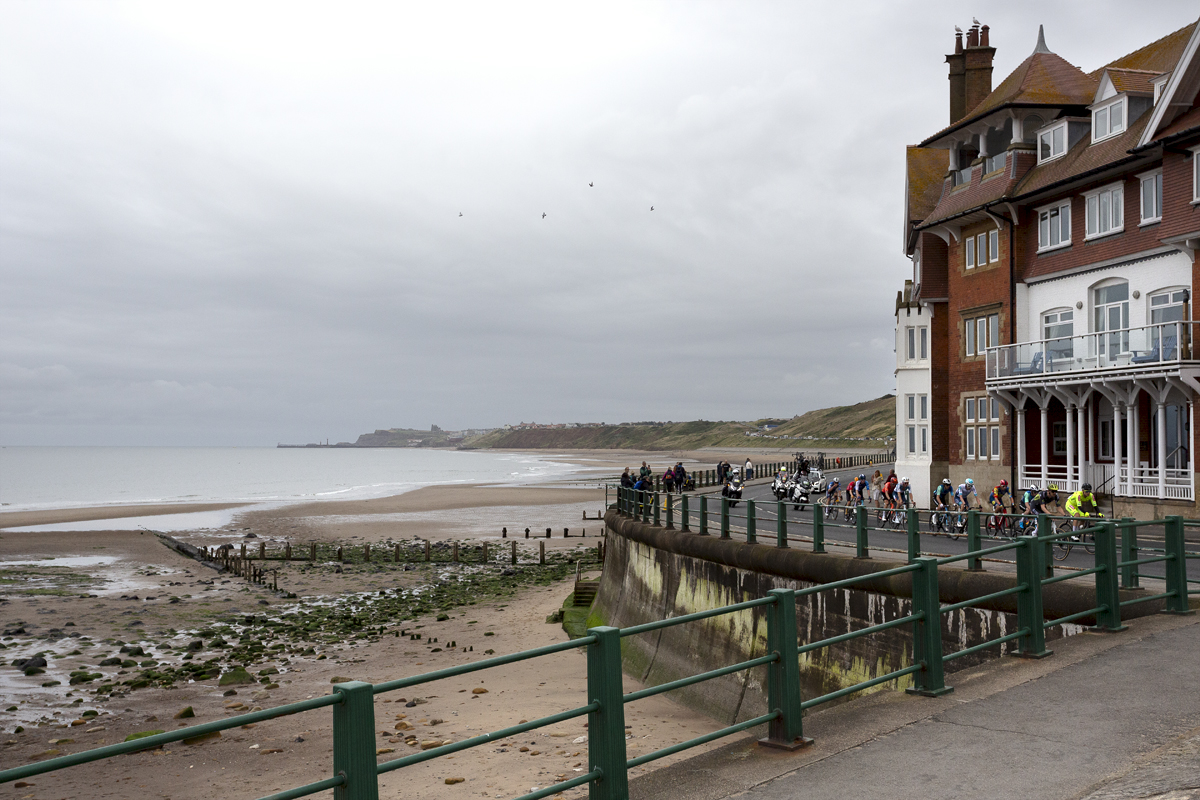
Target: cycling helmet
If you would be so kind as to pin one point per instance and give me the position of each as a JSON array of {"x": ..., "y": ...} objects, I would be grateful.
[
  {"x": 904, "y": 480},
  {"x": 1087, "y": 487},
  {"x": 970, "y": 482},
  {"x": 1003, "y": 482},
  {"x": 1052, "y": 487},
  {"x": 946, "y": 481},
  {"x": 862, "y": 477}
]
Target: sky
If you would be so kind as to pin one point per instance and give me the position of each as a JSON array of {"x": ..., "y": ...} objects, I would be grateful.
[{"x": 243, "y": 223}]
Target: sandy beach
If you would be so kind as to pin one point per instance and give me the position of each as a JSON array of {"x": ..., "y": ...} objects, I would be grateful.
[{"x": 80, "y": 598}]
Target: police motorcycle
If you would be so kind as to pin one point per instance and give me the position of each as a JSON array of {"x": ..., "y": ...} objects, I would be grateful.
[
  {"x": 800, "y": 491},
  {"x": 781, "y": 487},
  {"x": 733, "y": 487}
]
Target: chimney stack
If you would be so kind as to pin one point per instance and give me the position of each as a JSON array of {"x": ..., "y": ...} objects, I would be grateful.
[{"x": 970, "y": 71}]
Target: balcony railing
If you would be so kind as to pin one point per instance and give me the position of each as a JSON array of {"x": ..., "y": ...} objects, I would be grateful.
[{"x": 1162, "y": 344}]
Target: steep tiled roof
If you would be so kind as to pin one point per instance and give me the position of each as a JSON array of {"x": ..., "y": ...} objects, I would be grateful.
[
  {"x": 927, "y": 170},
  {"x": 1042, "y": 79},
  {"x": 972, "y": 195},
  {"x": 1082, "y": 158},
  {"x": 1187, "y": 122},
  {"x": 1133, "y": 80},
  {"x": 1160, "y": 56}
]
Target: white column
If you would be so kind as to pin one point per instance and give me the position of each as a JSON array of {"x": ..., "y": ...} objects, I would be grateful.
[
  {"x": 1070, "y": 444},
  {"x": 1020, "y": 415},
  {"x": 1160, "y": 409},
  {"x": 1091, "y": 432},
  {"x": 1045, "y": 446},
  {"x": 1118, "y": 448},
  {"x": 1133, "y": 450},
  {"x": 1080, "y": 432}
]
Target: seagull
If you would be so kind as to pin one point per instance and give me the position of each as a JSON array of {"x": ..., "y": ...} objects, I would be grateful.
[
  {"x": 651, "y": 208},
  {"x": 591, "y": 184},
  {"x": 977, "y": 22},
  {"x": 957, "y": 29},
  {"x": 460, "y": 213},
  {"x": 543, "y": 215}
]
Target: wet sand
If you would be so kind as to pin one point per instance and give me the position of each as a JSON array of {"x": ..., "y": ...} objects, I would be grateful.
[{"x": 22, "y": 519}]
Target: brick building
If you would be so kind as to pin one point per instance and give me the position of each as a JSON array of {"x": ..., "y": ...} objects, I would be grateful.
[{"x": 1046, "y": 334}]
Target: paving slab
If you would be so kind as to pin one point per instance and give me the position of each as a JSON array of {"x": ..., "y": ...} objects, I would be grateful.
[{"x": 1107, "y": 716}]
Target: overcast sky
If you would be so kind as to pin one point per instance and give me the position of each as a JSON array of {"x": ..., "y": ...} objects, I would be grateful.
[{"x": 243, "y": 223}]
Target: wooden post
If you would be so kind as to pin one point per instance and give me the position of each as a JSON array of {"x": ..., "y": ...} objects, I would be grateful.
[
  {"x": 312, "y": 552},
  {"x": 243, "y": 550},
  {"x": 485, "y": 558},
  {"x": 504, "y": 532},
  {"x": 514, "y": 552},
  {"x": 339, "y": 554},
  {"x": 454, "y": 552},
  {"x": 547, "y": 533},
  {"x": 427, "y": 550},
  {"x": 396, "y": 557},
  {"x": 262, "y": 551},
  {"x": 287, "y": 551},
  {"x": 367, "y": 552},
  {"x": 541, "y": 552}
]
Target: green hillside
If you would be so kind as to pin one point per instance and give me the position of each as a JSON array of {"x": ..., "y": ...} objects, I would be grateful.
[{"x": 860, "y": 425}]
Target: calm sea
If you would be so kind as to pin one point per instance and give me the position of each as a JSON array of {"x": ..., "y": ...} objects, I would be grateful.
[{"x": 61, "y": 477}]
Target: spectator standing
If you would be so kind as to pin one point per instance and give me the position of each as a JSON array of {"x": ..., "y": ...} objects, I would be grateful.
[
  {"x": 668, "y": 480},
  {"x": 626, "y": 479},
  {"x": 645, "y": 471},
  {"x": 877, "y": 487},
  {"x": 749, "y": 469}
]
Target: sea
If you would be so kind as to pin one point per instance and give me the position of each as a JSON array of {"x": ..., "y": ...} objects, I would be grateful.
[{"x": 37, "y": 478}]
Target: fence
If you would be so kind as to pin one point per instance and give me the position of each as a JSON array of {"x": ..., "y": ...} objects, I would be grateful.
[{"x": 356, "y": 770}]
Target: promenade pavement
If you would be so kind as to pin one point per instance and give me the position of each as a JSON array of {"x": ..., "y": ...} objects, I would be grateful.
[{"x": 1106, "y": 717}]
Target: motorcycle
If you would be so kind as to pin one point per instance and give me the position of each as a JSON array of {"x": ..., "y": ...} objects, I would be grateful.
[
  {"x": 781, "y": 486},
  {"x": 799, "y": 494},
  {"x": 733, "y": 490}
]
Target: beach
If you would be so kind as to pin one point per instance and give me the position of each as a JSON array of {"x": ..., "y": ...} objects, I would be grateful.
[{"x": 81, "y": 597}]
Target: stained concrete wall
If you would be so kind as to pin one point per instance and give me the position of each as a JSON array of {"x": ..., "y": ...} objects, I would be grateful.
[{"x": 653, "y": 573}]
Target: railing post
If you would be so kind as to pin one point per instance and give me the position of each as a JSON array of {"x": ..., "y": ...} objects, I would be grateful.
[
  {"x": 860, "y": 530},
  {"x": 354, "y": 742},
  {"x": 781, "y": 524},
  {"x": 1176, "y": 568},
  {"x": 646, "y": 503},
  {"x": 606, "y": 725},
  {"x": 670, "y": 507},
  {"x": 1045, "y": 529},
  {"x": 703, "y": 515},
  {"x": 1129, "y": 572},
  {"x": 818, "y": 528},
  {"x": 973, "y": 543},
  {"x": 751, "y": 523},
  {"x": 657, "y": 509},
  {"x": 913, "y": 521},
  {"x": 1029, "y": 601},
  {"x": 927, "y": 631},
  {"x": 786, "y": 731},
  {"x": 724, "y": 517},
  {"x": 1107, "y": 593},
  {"x": 683, "y": 514}
]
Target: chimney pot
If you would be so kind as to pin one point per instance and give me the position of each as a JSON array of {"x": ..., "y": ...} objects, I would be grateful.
[
  {"x": 983, "y": 37},
  {"x": 973, "y": 36},
  {"x": 958, "y": 44}
]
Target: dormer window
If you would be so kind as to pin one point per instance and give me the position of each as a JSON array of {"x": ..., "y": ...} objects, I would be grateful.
[
  {"x": 1052, "y": 142},
  {"x": 1108, "y": 120},
  {"x": 1160, "y": 85}
]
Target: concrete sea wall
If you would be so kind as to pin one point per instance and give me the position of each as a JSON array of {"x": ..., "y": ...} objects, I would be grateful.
[{"x": 653, "y": 573}]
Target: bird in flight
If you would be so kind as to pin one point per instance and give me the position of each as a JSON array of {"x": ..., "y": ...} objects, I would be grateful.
[
  {"x": 651, "y": 208},
  {"x": 460, "y": 213},
  {"x": 543, "y": 215},
  {"x": 590, "y": 183}
]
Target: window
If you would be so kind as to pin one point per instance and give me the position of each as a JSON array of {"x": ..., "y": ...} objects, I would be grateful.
[
  {"x": 912, "y": 439},
  {"x": 981, "y": 333},
  {"x": 993, "y": 163},
  {"x": 1109, "y": 120},
  {"x": 1057, "y": 329},
  {"x": 982, "y": 439},
  {"x": 1111, "y": 310},
  {"x": 1165, "y": 308},
  {"x": 924, "y": 343},
  {"x": 994, "y": 246},
  {"x": 924, "y": 406},
  {"x": 1052, "y": 143},
  {"x": 970, "y": 252},
  {"x": 912, "y": 343},
  {"x": 1105, "y": 211},
  {"x": 912, "y": 406},
  {"x": 1054, "y": 227},
  {"x": 1106, "y": 438},
  {"x": 1060, "y": 438},
  {"x": 924, "y": 439},
  {"x": 1152, "y": 197}
]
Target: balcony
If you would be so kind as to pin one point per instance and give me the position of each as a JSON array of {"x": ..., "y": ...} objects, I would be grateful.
[{"x": 1151, "y": 350}]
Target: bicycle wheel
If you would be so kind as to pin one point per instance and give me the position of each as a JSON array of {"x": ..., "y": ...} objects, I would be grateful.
[
  {"x": 1062, "y": 549},
  {"x": 935, "y": 521},
  {"x": 959, "y": 528},
  {"x": 995, "y": 524}
]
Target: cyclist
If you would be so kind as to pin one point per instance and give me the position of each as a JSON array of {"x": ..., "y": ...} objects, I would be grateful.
[
  {"x": 1000, "y": 498},
  {"x": 832, "y": 492},
  {"x": 860, "y": 489},
  {"x": 1042, "y": 500},
  {"x": 904, "y": 493},
  {"x": 963, "y": 494},
  {"x": 1082, "y": 504},
  {"x": 943, "y": 494}
]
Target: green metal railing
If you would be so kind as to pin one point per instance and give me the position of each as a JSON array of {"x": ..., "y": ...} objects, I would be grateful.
[{"x": 356, "y": 770}]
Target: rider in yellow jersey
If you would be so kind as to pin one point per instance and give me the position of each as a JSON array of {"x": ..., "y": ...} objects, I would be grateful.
[{"x": 1082, "y": 503}]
